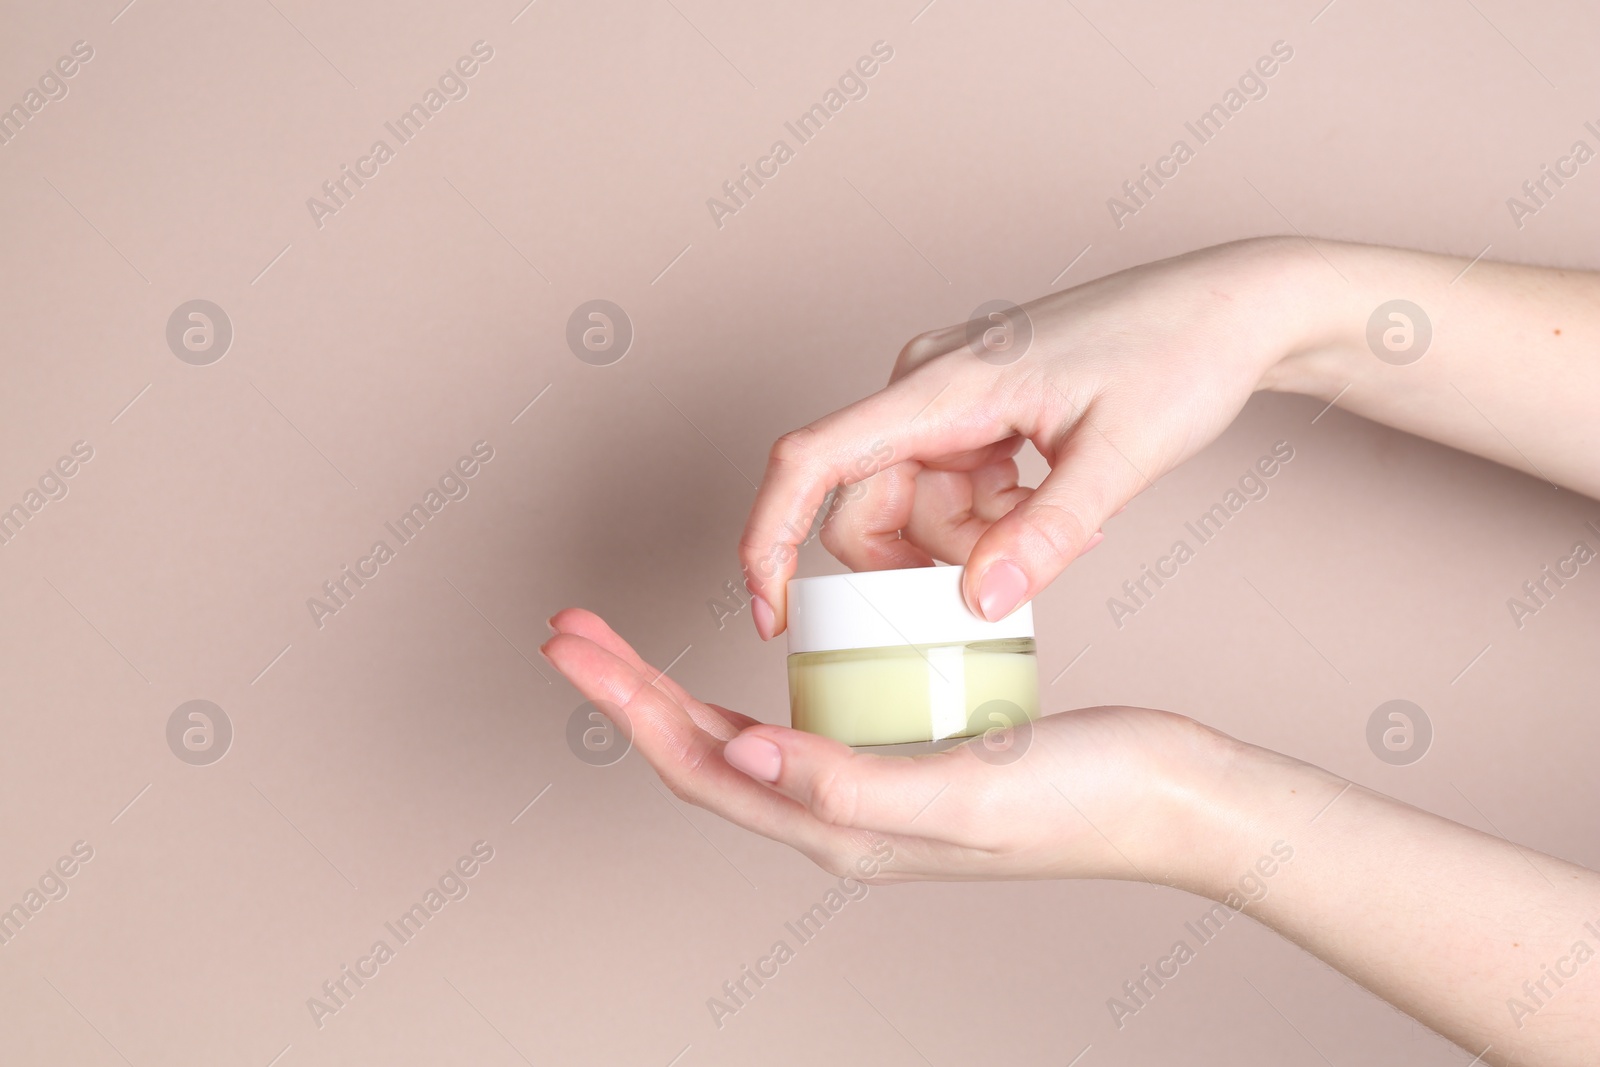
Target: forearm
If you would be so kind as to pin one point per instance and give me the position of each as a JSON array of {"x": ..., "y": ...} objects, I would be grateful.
[
  {"x": 1511, "y": 372},
  {"x": 1493, "y": 945}
]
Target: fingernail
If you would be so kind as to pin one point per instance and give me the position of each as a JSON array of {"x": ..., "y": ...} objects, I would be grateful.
[
  {"x": 755, "y": 756},
  {"x": 551, "y": 622},
  {"x": 1094, "y": 539},
  {"x": 765, "y": 620},
  {"x": 1002, "y": 589}
]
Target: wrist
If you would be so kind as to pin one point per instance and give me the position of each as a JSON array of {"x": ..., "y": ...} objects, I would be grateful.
[
  {"x": 1314, "y": 332},
  {"x": 1233, "y": 806}
]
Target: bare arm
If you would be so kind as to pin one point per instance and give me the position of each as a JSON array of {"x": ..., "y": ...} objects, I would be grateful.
[
  {"x": 1511, "y": 371},
  {"x": 1127, "y": 376},
  {"x": 1492, "y": 944},
  {"x": 1497, "y": 947}
]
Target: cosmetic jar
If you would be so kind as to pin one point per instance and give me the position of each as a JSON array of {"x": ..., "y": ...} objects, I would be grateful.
[{"x": 890, "y": 657}]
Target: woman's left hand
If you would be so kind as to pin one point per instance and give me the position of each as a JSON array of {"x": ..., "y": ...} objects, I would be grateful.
[{"x": 1097, "y": 793}]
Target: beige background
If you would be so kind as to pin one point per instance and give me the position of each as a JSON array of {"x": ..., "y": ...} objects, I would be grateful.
[{"x": 426, "y": 315}]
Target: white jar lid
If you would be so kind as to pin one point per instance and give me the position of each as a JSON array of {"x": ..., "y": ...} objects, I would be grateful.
[{"x": 880, "y": 609}]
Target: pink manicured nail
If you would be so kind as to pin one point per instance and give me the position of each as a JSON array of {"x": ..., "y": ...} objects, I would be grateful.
[
  {"x": 1094, "y": 539},
  {"x": 765, "y": 620},
  {"x": 755, "y": 756},
  {"x": 1001, "y": 590}
]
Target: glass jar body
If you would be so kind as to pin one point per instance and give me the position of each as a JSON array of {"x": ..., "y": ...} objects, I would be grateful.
[{"x": 905, "y": 693}]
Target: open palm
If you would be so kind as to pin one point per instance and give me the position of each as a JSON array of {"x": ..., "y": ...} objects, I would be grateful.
[{"x": 1088, "y": 793}]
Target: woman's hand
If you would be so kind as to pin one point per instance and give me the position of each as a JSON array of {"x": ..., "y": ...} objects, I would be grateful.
[
  {"x": 1124, "y": 378},
  {"x": 1488, "y": 943},
  {"x": 1127, "y": 376},
  {"x": 1097, "y": 793}
]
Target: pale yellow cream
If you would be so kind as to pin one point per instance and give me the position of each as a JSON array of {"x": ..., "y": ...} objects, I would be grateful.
[{"x": 888, "y": 696}]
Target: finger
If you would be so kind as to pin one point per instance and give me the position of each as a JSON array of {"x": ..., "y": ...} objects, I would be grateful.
[
  {"x": 927, "y": 346},
  {"x": 994, "y": 452},
  {"x": 1026, "y": 548},
  {"x": 995, "y": 491},
  {"x": 846, "y": 447},
  {"x": 588, "y": 625},
  {"x": 738, "y": 718},
  {"x": 863, "y": 530},
  {"x": 596, "y": 629},
  {"x": 688, "y": 759},
  {"x": 953, "y": 510},
  {"x": 875, "y": 525},
  {"x": 860, "y": 790}
]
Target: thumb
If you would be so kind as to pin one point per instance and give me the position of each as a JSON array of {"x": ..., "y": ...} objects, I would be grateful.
[
  {"x": 1025, "y": 549},
  {"x": 866, "y": 791}
]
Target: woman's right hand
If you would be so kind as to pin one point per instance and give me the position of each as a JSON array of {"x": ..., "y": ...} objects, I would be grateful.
[{"x": 1124, "y": 378}]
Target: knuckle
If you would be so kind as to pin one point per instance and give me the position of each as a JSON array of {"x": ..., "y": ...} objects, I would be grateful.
[
  {"x": 683, "y": 775},
  {"x": 763, "y": 560},
  {"x": 920, "y": 349},
  {"x": 795, "y": 448},
  {"x": 753, "y": 551},
  {"x": 1059, "y": 528},
  {"x": 833, "y": 798},
  {"x": 834, "y": 536},
  {"x": 692, "y": 756},
  {"x": 916, "y": 349}
]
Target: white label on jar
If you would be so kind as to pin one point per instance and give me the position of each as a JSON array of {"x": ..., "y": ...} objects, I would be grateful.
[{"x": 947, "y": 690}]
